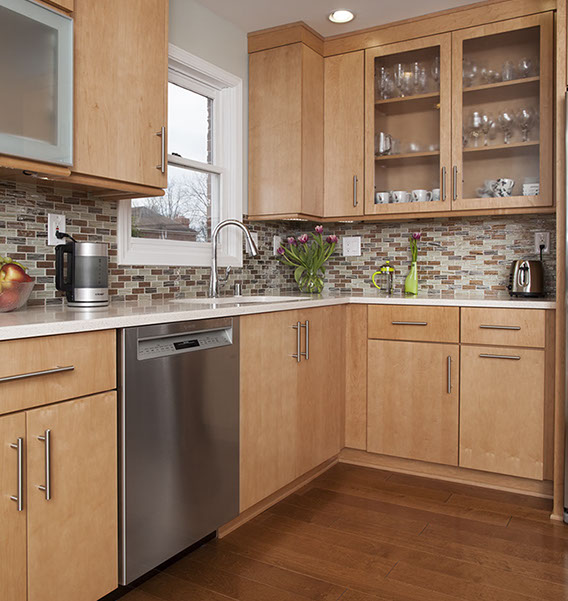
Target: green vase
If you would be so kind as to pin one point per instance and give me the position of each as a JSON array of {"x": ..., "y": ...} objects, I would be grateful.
[{"x": 411, "y": 282}]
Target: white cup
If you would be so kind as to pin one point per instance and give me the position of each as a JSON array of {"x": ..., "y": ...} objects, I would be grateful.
[
  {"x": 400, "y": 196},
  {"x": 421, "y": 195},
  {"x": 435, "y": 194},
  {"x": 382, "y": 198}
]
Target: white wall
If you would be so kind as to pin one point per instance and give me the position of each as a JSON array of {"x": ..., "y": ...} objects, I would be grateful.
[{"x": 200, "y": 31}]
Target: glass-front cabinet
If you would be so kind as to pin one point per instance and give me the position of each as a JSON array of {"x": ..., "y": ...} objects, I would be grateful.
[
  {"x": 408, "y": 146},
  {"x": 461, "y": 121},
  {"x": 502, "y": 114},
  {"x": 36, "y": 93}
]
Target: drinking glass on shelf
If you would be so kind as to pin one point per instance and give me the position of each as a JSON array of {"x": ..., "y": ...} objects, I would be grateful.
[
  {"x": 398, "y": 77},
  {"x": 525, "y": 119},
  {"x": 508, "y": 71},
  {"x": 506, "y": 121},
  {"x": 469, "y": 72},
  {"x": 474, "y": 126},
  {"x": 385, "y": 84},
  {"x": 489, "y": 75},
  {"x": 487, "y": 125},
  {"x": 435, "y": 72},
  {"x": 525, "y": 67}
]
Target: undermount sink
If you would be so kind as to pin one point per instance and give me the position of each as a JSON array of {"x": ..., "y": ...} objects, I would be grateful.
[{"x": 240, "y": 300}]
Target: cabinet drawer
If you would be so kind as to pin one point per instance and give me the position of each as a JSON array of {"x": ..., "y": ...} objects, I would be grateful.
[
  {"x": 504, "y": 327},
  {"x": 38, "y": 371},
  {"x": 426, "y": 324}
]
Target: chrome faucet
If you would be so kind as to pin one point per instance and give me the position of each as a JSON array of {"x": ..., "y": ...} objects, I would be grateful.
[{"x": 253, "y": 251}]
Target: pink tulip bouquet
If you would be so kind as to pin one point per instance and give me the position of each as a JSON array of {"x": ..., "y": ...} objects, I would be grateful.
[{"x": 308, "y": 258}]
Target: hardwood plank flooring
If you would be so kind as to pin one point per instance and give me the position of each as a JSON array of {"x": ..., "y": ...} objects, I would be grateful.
[{"x": 358, "y": 534}]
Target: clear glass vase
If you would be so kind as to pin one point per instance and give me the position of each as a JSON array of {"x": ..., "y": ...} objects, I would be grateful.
[{"x": 311, "y": 281}]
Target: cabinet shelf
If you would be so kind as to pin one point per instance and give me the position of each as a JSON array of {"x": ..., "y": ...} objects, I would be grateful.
[
  {"x": 414, "y": 97},
  {"x": 407, "y": 155},
  {"x": 502, "y": 84},
  {"x": 501, "y": 147}
]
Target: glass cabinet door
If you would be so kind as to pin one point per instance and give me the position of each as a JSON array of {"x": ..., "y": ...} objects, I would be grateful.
[
  {"x": 408, "y": 126},
  {"x": 36, "y": 71},
  {"x": 502, "y": 119}
]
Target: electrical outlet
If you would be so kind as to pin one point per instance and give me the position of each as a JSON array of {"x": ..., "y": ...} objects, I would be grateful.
[
  {"x": 539, "y": 239},
  {"x": 55, "y": 223},
  {"x": 254, "y": 236},
  {"x": 276, "y": 244},
  {"x": 351, "y": 246}
]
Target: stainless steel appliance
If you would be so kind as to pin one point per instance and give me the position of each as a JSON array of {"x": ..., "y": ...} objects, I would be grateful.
[
  {"x": 526, "y": 279},
  {"x": 85, "y": 279},
  {"x": 179, "y": 431},
  {"x": 36, "y": 71}
]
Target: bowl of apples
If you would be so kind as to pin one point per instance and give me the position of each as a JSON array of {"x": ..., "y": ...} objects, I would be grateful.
[{"x": 15, "y": 285}]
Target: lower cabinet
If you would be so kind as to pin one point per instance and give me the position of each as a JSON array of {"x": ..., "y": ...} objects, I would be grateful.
[
  {"x": 66, "y": 478},
  {"x": 502, "y": 418},
  {"x": 290, "y": 406},
  {"x": 413, "y": 400}
]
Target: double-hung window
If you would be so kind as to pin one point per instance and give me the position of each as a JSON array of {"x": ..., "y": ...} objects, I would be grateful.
[{"x": 204, "y": 139}]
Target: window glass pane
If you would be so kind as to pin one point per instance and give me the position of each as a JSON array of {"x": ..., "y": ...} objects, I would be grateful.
[
  {"x": 184, "y": 213},
  {"x": 190, "y": 119}
]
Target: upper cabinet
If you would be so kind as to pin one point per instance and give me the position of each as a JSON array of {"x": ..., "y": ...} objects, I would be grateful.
[
  {"x": 286, "y": 132},
  {"x": 120, "y": 90},
  {"x": 408, "y": 125},
  {"x": 502, "y": 114}
]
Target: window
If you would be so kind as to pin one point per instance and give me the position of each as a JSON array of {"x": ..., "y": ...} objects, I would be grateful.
[{"x": 204, "y": 173}]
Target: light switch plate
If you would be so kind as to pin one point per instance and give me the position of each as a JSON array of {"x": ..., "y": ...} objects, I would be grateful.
[
  {"x": 254, "y": 236},
  {"x": 55, "y": 223},
  {"x": 351, "y": 246},
  {"x": 276, "y": 244},
  {"x": 542, "y": 238}
]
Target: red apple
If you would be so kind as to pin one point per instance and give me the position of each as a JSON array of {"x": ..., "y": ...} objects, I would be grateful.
[{"x": 11, "y": 272}]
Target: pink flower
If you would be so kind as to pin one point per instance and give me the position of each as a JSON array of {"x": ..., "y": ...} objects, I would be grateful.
[
  {"x": 332, "y": 239},
  {"x": 292, "y": 241},
  {"x": 303, "y": 239},
  {"x": 280, "y": 250},
  {"x": 416, "y": 235},
  {"x": 319, "y": 229}
]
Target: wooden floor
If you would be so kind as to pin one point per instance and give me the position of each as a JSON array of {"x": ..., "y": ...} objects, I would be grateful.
[{"x": 358, "y": 534}]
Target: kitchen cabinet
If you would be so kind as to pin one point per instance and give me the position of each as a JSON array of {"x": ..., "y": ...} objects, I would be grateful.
[
  {"x": 519, "y": 54},
  {"x": 120, "y": 91},
  {"x": 413, "y": 403},
  {"x": 502, "y": 410},
  {"x": 344, "y": 120},
  {"x": 290, "y": 407},
  {"x": 65, "y": 5},
  {"x": 63, "y": 543},
  {"x": 286, "y": 132},
  {"x": 13, "y": 562}
]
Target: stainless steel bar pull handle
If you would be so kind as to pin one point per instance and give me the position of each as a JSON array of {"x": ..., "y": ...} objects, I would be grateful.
[
  {"x": 162, "y": 134},
  {"x": 511, "y": 357},
  {"x": 455, "y": 183},
  {"x": 443, "y": 183},
  {"x": 33, "y": 374},
  {"x": 409, "y": 323},
  {"x": 449, "y": 374},
  {"x": 298, "y": 328},
  {"x": 19, "y": 498},
  {"x": 307, "y": 353},
  {"x": 355, "y": 191},
  {"x": 47, "y": 487},
  {"x": 488, "y": 327}
]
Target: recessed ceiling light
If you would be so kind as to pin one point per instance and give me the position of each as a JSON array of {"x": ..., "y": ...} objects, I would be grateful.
[{"x": 341, "y": 16}]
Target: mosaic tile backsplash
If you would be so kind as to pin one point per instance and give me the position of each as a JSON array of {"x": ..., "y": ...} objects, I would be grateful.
[{"x": 470, "y": 255}]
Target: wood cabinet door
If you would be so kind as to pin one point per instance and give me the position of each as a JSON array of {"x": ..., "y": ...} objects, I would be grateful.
[
  {"x": 73, "y": 536},
  {"x": 121, "y": 57},
  {"x": 268, "y": 404},
  {"x": 481, "y": 156},
  {"x": 413, "y": 400},
  {"x": 320, "y": 387},
  {"x": 502, "y": 410},
  {"x": 344, "y": 130},
  {"x": 13, "y": 558}
]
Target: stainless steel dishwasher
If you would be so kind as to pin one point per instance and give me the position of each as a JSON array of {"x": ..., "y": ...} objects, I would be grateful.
[{"x": 179, "y": 453}]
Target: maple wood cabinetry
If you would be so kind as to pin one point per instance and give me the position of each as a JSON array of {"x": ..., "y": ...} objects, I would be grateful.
[{"x": 290, "y": 407}]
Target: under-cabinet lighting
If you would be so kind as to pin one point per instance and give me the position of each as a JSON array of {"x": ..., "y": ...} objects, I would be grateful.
[{"x": 341, "y": 16}]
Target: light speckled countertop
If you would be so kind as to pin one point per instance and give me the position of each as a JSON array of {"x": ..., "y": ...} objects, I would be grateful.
[{"x": 46, "y": 321}]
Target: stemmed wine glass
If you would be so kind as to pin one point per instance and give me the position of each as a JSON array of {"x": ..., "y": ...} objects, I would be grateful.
[
  {"x": 506, "y": 121},
  {"x": 435, "y": 71},
  {"x": 469, "y": 72},
  {"x": 525, "y": 67},
  {"x": 474, "y": 125},
  {"x": 487, "y": 126},
  {"x": 526, "y": 118}
]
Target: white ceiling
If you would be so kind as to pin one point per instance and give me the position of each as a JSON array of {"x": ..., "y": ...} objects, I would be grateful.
[{"x": 251, "y": 15}]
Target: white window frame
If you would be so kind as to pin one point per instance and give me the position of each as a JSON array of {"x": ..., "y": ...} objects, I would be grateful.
[{"x": 227, "y": 91}]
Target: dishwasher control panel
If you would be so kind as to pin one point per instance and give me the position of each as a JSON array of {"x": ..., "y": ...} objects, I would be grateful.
[{"x": 166, "y": 346}]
